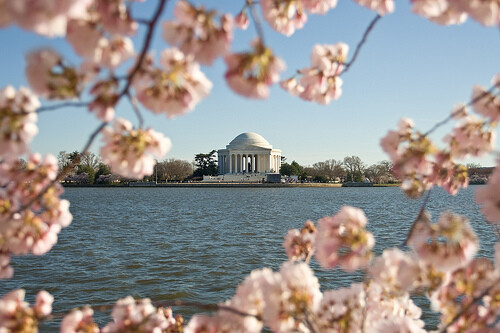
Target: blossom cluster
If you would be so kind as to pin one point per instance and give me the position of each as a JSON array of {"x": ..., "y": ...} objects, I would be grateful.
[
  {"x": 321, "y": 81},
  {"x": 16, "y": 315},
  {"x": 130, "y": 152},
  {"x": 422, "y": 165},
  {"x": 446, "y": 12},
  {"x": 32, "y": 213},
  {"x": 288, "y": 15}
]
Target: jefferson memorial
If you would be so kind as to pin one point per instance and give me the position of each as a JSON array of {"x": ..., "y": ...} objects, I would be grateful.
[
  {"x": 249, "y": 153},
  {"x": 248, "y": 157}
]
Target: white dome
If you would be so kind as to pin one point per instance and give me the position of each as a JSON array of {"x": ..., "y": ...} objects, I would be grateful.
[{"x": 248, "y": 141}]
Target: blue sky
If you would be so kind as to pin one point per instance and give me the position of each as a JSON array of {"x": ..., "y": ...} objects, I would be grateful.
[{"x": 409, "y": 67}]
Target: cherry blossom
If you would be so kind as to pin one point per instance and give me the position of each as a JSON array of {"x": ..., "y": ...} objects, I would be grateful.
[
  {"x": 488, "y": 197},
  {"x": 17, "y": 121},
  {"x": 115, "y": 51},
  {"x": 443, "y": 12},
  {"x": 343, "y": 240},
  {"x": 130, "y": 315},
  {"x": 49, "y": 77},
  {"x": 290, "y": 296},
  {"x": 47, "y": 17},
  {"x": 31, "y": 229},
  {"x": 461, "y": 288},
  {"x": 320, "y": 82},
  {"x": 448, "y": 245},
  {"x": 241, "y": 20},
  {"x": 250, "y": 74},
  {"x": 106, "y": 97},
  {"x": 196, "y": 32},
  {"x": 319, "y": 6},
  {"x": 176, "y": 88},
  {"x": 79, "y": 321},
  {"x": 85, "y": 39},
  {"x": 284, "y": 16},
  {"x": 299, "y": 245},
  {"x": 486, "y": 104},
  {"x": 382, "y": 7},
  {"x": 130, "y": 151},
  {"x": 342, "y": 310},
  {"x": 471, "y": 136},
  {"x": 487, "y": 12},
  {"x": 17, "y": 316},
  {"x": 395, "y": 271},
  {"x": 115, "y": 17}
]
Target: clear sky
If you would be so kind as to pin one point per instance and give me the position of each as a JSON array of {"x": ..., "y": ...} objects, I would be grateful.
[{"x": 409, "y": 67}]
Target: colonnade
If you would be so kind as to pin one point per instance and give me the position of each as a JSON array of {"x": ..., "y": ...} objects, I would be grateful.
[{"x": 249, "y": 163}]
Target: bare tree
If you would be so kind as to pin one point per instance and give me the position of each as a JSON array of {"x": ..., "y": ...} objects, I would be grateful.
[{"x": 174, "y": 169}]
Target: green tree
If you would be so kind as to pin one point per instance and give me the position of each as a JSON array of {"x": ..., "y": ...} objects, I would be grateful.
[
  {"x": 102, "y": 169},
  {"x": 205, "y": 164},
  {"x": 87, "y": 170}
]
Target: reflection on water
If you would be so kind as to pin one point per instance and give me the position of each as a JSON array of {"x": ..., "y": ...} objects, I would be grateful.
[{"x": 199, "y": 243}]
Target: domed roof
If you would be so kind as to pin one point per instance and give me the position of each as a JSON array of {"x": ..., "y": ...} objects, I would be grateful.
[{"x": 249, "y": 140}]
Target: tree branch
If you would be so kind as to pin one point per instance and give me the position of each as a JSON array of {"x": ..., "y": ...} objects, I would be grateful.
[
  {"x": 362, "y": 42},
  {"x": 145, "y": 48},
  {"x": 470, "y": 103},
  {"x": 62, "y": 105}
]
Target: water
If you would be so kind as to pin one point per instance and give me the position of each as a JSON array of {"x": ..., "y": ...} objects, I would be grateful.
[{"x": 197, "y": 244}]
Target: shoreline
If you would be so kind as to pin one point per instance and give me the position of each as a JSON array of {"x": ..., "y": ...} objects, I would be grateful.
[{"x": 219, "y": 185}]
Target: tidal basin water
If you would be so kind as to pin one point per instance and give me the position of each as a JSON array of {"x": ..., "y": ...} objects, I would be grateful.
[{"x": 197, "y": 244}]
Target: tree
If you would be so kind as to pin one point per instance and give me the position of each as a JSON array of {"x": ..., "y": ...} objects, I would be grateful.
[
  {"x": 353, "y": 164},
  {"x": 174, "y": 169},
  {"x": 205, "y": 164}
]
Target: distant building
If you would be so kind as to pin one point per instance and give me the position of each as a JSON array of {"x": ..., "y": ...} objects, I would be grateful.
[{"x": 249, "y": 153}]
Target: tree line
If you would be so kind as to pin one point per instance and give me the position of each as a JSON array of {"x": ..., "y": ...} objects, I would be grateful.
[
  {"x": 91, "y": 170},
  {"x": 351, "y": 168}
]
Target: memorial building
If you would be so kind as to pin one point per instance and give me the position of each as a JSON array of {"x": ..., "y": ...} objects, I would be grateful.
[{"x": 249, "y": 153}]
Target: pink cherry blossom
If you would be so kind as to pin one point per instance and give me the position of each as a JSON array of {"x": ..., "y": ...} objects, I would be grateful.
[
  {"x": 319, "y": 6},
  {"x": 488, "y": 197},
  {"x": 106, "y": 97},
  {"x": 382, "y": 7},
  {"x": 443, "y": 12},
  {"x": 241, "y": 20},
  {"x": 284, "y": 16},
  {"x": 290, "y": 296},
  {"x": 250, "y": 298},
  {"x": 395, "y": 271},
  {"x": 17, "y": 121},
  {"x": 461, "y": 288},
  {"x": 49, "y": 77},
  {"x": 485, "y": 103},
  {"x": 115, "y": 17},
  {"x": 448, "y": 245},
  {"x": 197, "y": 33},
  {"x": 299, "y": 245},
  {"x": 43, "y": 305},
  {"x": 251, "y": 73},
  {"x": 79, "y": 321},
  {"x": 471, "y": 137},
  {"x": 6, "y": 271},
  {"x": 17, "y": 316},
  {"x": 175, "y": 88},
  {"x": 486, "y": 12},
  {"x": 320, "y": 82},
  {"x": 31, "y": 228},
  {"x": 130, "y": 151},
  {"x": 47, "y": 17},
  {"x": 342, "y": 308},
  {"x": 343, "y": 240},
  {"x": 115, "y": 51},
  {"x": 130, "y": 315},
  {"x": 85, "y": 39}
]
